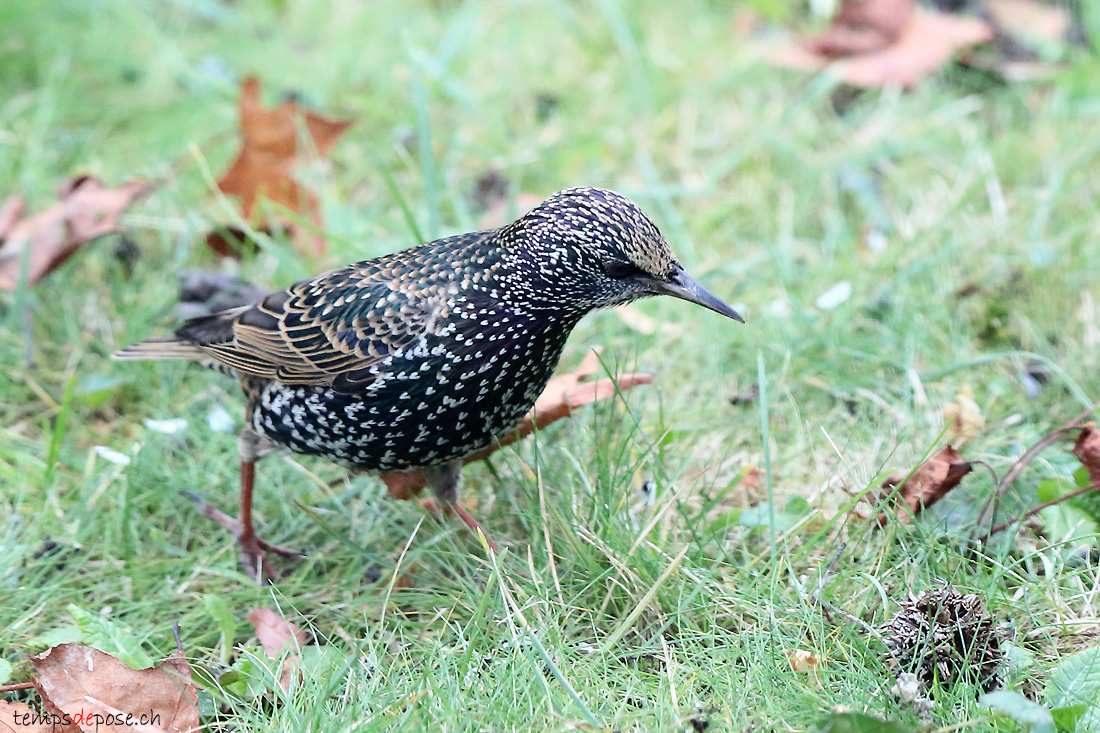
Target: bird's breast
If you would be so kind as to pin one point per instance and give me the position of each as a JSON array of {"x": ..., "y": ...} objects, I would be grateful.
[{"x": 443, "y": 397}]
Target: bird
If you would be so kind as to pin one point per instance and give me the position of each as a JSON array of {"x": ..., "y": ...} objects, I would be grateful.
[{"x": 415, "y": 360}]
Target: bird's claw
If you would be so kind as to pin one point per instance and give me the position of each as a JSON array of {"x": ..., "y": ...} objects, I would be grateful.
[{"x": 252, "y": 547}]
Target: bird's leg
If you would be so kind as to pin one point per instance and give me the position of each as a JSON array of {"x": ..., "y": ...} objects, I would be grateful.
[
  {"x": 252, "y": 448},
  {"x": 444, "y": 481}
]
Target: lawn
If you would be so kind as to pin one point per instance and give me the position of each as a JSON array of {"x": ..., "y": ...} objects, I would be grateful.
[{"x": 663, "y": 554}]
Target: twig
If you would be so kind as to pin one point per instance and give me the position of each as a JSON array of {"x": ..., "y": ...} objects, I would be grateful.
[
  {"x": 176, "y": 634},
  {"x": 16, "y": 686},
  {"x": 1036, "y": 509},
  {"x": 1023, "y": 461}
]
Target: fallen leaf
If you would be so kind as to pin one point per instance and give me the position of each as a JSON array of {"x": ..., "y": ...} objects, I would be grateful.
[
  {"x": 1087, "y": 450},
  {"x": 271, "y": 152},
  {"x": 275, "y": 632},
  {"x": 862, "y": 26},
  {"x": 94, "y": 689},
  {"x": 926, "y": 43},
  {"x": 276, "y": 635},
  {"x": 802, "y": 660},
  {"x": 1029, "y": 19},
  {"x": 10, "y": 212},
  {"x": 17, "y": 717},
  {"x": 86, "y": 210},
  {"x": 230, "y": 241},
  {"x": 942, "y": 472},
  {"x": 563, "y": 394},
  {"x": 964, "y": 416}
]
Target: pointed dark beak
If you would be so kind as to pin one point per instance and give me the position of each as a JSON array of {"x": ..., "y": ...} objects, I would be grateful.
[{"x": 685, "y": 287}]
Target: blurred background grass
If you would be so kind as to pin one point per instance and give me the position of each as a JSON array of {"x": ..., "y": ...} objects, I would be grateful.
[{"x": 960, "y": 213}]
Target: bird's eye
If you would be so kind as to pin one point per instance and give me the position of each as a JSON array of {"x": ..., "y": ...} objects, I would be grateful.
[{"x": 620, "y": 270}]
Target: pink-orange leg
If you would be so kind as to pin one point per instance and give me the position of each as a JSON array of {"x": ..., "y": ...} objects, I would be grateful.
[
  {"x": 253, "y": 559},
  {"x": 433, "y": 505}
]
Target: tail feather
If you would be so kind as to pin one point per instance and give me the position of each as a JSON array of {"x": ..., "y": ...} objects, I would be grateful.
[{"x": 170, "y": 347}]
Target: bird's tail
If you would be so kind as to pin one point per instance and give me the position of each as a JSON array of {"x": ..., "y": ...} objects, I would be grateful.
[{"x": 169, "y": 347}]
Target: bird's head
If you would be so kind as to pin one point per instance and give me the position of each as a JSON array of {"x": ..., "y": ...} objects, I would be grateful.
[{"x": 586, "y": 248}]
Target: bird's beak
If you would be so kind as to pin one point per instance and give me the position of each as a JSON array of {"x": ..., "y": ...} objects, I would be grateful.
[{"x": 684, "y": 286}]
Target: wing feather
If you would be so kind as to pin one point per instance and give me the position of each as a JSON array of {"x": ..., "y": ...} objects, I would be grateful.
[{"x": 335, "y": 328}]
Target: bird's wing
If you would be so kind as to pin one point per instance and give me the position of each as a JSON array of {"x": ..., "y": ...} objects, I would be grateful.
[{"x": 329, "y": 330}]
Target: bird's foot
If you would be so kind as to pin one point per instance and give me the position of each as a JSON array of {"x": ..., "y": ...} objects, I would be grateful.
[
  {"x": 253, "y": 559},
  {"x": 433, "y": 506}
]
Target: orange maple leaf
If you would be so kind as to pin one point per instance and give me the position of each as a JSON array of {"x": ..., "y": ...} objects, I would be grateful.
[{"x": 272, "y": 150}]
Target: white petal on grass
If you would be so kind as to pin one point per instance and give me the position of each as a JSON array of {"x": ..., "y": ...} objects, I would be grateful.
[
  {"x": 168, "y": 427},
  {"x": 112, "y": 456},
  {"x": 220, "y": 421},
  {"x": 834, "y": 296}
]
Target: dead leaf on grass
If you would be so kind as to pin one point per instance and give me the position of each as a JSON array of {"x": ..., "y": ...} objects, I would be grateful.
[
  {"x": 802, "y": 660},
  {"x": 563, "y": 394},
  {"x": 82, "y": 682},
  {"x": 17, "y": 717},
  {"x": 937, "y": 476},
  {"x": 275, "y": 632},
  {"x": 1030, "y": 20},
  {"x": 272, "y": 151},
  {"x": 926, "y": 42},
  {"x": 277, "y": 635},
  {"x": 863, "y": 26},
  {"x": 231, "y": 241},
  {"x": 1087, "y": 450},
  {"x": 87, "y": 210},
  {"x": 964, "y": 417}
]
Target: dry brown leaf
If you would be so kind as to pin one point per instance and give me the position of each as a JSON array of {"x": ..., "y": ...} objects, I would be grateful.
[
  {"x": 93, "y": 688},
  {"x": 964, "y": 417},
  {"x": 1087, "y": 450},
  {"x": 275, "y": 632},
  {"x": 86, "y": 210},
  {"x": 276, "y": 635},
  {"x": 863, "y": 26},
  {"x": 1030, "y": 19},
  {"x": 10, "y": 212},
  {"x": 942, "y": 472},
  {"x": 563, "y": 394},
  {"x": 925, "y": 44},
  {"x": 231, "y": 241},
  {"x": 271, "y": 151},
  {"x": 802, "y": 660},
  {"x": 17, "y": 717}
]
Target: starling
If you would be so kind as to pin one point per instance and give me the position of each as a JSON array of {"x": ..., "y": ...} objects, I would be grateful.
[{"x": 418, "y": 359}]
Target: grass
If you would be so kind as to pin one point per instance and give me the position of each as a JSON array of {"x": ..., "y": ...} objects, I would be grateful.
[{"x": 611, "y": 607}]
